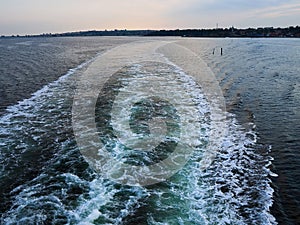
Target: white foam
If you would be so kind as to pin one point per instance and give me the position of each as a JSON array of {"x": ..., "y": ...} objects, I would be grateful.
[
  {"x": 225, "y": 186},
  {"x": 217, "y": 195}
]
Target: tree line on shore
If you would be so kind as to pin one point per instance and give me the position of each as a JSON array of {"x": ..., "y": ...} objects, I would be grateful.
[{"x": 217, "y": 32}]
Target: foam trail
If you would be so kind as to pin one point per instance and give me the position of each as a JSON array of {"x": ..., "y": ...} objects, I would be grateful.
[{"x": 235, "y": 189}]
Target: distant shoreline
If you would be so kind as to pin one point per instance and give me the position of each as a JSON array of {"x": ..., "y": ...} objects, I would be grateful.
[{"x": 266, "y": 32}]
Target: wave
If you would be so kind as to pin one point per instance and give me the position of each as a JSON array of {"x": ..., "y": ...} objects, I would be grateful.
[{"x": 53, "y": 183}]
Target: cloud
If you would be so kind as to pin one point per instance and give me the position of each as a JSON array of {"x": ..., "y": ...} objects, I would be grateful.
[
  {"x": 240, "y": 13},
  {"x": 66, "y": 15},
  {"x": 278, "y": 11},
  {"x": 234, "y": 6}
]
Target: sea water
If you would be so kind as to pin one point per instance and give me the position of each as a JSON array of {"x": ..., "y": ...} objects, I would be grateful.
[{"x": 45, "y": 178}]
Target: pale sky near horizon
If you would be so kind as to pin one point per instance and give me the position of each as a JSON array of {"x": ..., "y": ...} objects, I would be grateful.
[{"x": 54, "y": 16}]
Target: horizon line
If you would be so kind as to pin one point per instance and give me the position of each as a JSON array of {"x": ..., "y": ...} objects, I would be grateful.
[{"x": 141, "y": 30}]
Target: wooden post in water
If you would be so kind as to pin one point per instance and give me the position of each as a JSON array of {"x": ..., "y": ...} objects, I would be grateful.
[{"x": 221, "y": 51}]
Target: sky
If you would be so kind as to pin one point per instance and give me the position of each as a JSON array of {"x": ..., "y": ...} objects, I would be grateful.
[{"x": 56, "y": 16}]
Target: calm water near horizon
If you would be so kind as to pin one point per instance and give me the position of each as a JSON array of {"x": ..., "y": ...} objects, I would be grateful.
[{"x": 254, "y": 179}]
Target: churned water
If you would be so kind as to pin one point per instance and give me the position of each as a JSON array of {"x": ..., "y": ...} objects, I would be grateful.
[{"x": 45, "y": 178}]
